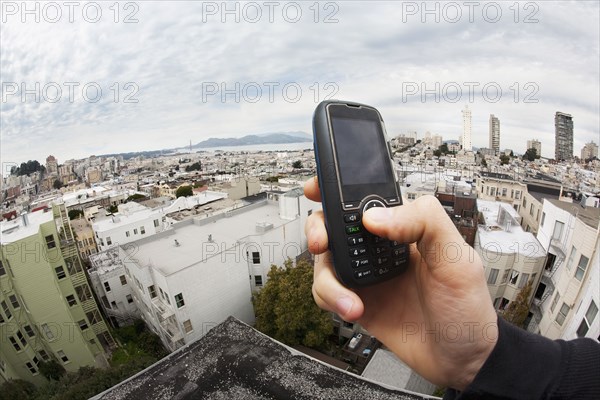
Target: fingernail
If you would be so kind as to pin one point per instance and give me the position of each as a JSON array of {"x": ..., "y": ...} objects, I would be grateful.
[
  {"x": 377, "y": 214},
  {"x": 344, "y": 305}
]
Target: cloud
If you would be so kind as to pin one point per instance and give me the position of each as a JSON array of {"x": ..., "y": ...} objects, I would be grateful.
[{"x": 155, "y": 74}]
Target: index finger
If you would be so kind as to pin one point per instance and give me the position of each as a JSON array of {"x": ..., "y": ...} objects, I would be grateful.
[{"x": 311, "y": 189}]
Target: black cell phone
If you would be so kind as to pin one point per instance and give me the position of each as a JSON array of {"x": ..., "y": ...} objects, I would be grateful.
[{"x": 355, "y": 172}]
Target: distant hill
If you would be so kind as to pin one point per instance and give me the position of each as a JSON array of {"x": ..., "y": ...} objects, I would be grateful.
[{"x": 265, "y": 138}]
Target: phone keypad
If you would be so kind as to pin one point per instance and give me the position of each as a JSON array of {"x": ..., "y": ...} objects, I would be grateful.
[{"x": 383, "y": 257}]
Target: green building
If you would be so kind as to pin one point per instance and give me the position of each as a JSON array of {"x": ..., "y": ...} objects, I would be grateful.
[{"x": 47, "y": 310}]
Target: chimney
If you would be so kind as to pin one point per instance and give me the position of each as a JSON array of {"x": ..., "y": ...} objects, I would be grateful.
[{"x": 25, "y": 218}]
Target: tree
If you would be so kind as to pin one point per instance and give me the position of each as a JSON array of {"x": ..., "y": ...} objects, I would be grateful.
[
  {"x": 531, "y": 154},
  {"x": 483, "y": 162},
  {"x": 517, "y": 311},
  {"x": 51, "y": 370},
  {"x": 286, "y": 311},
  {"x": 185, "y": 190},
  {"x": 437, "y": 153},
  {"x": 297, "y": 164},
  {"x": 444, "y": 148},
  {"x": 74, "y": 214},
  {"x": 504, "y": 159},
  {"x": 135, "y": 197},
  {"x": 16, "y": 389},
  {"x": 57, "y": 184},
  {"x": 197, "y": 166}
]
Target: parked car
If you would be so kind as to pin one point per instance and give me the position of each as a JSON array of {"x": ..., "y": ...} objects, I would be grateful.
[{"x": 355, "y": 341}]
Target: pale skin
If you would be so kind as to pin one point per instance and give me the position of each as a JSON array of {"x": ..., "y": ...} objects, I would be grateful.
[{"x": 438, "y": 316}]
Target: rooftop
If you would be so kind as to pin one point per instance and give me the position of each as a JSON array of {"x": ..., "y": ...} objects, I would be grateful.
[
  {"x": 234, "y": 361},
  {"x": 588, "y": 215},
  {"x": 188, "y": 243},
  {"x": 16, "y": 229},
  {"x": 502, "y": 232}
]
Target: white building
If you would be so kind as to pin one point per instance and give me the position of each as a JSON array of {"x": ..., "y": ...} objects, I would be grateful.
[
  {"x": 535, "y": 144},
  {"x": 511, "y": 257},
  {"x": 500, "y": 187},
  {"x": 570, "y": 235},
  {"x": 187, "y": 279},
  {"x": 466, "y": 135},
  {"x": 494, "y": 133}
]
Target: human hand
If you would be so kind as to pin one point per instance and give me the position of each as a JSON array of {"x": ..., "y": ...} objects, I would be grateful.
[{"x": 437, "y": 317}]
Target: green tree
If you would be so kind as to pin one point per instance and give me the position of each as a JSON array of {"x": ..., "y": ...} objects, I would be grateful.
[
  {"x": 517, "y": 311},
  {"x": 286, "y": 311},
  {"x": 297, "y": 164},
  {"x": 531, "y": 154},
  {"x": 17, "y": 389},
  {"x": 483, "y": 162},
  {"x": 444, "y": 148},
  {"x": 504, "y": 159},
  {"x": 185, "y": 191},
  {"x": 135, "y": 196},
  {"x": 51, "y": 370},
  {"x": 197, "y": 166},
  {"x": 437, "y": 153},
  {"x": 57, "y": 184}
]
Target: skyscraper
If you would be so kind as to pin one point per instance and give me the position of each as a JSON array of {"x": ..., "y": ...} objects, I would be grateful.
[
  {"x": 535, "y": 144},
  {"x": 563, "y": 136},
  {"x": 589, "y": 150},
  {"x": 466, "y": 136},
  {"x": 494, "y": 133}
]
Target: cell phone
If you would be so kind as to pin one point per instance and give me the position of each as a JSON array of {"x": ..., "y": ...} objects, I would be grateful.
[{"x": 355, "y": 172}]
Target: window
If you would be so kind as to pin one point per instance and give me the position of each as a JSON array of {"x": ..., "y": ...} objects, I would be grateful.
[
  {"x": 255, "y": 257},
  {"x": 517, "y": 194},
  {"x": 162, "y": 294},
  {"x": 31, "y": 368},
  {"x": 543, "y": 218},
  {"x": 514, "y": 275},
  {"x": 562, "y": 314},
  {"x": 135, "y": 231},
  {"x": 93, "y": 316},
  {"x": 50, "y": 241},
  {"x": 123, "y": 280},
  {"x": 512, "y": 193},
  {"x": 487, "y": 190},
  {"x": 6, "y": 310},
  {"x": 167, "y": 298},
  {"x": 21, "y": 338},
  {"x": 503, "y": 303},
  {"x": 47, "y": 331},
  {"x": 107, "y": 286},
  {"x": 13, "y": 341},
  {"x": 523, "y": 281},
  {"x": 129, "y": 299},
  {"x": 504, "y": 192},
  {"x": 71, "y": 301},
  {"x": 493, "y": 191},
  {"x": 73, "y": 266},
  {"x": 524, "y": 202},
  {"x": 554, "y": 302},
  {"x": 156, "y": 223},
  {"x": 531, "y": 209},
  {"x": 581, "y": 267},
  {"x": 152, "y": 291},
  {"x": 61, "y": 354},
  {"x": 571, "y": 258},
  {"x": 113, "y": 305},
  {"x": 2, "y": 270},
  {"x": 14, "y": 302},
  {"x": 412, "y": 196},
  {"x": 187, "y": 326},
  {"x": 142, "y": 230},
  {"x": 558, "y": 227},
  {"x": 83, "y": 325},
  {"x": 588, "y": 319},
  {"x": 258, "y": 280},
  {"x": 60, "y": 272},
  {"x": 493, "y": 276},
  {"x": 127, "y": 233},
  {"x": 29, "y": 331},
  {"x": 309, "y": 212},
  {"x": 44, "y": 355},
  {"x": 537, "y": 215},
  {"x": 108, "y": 241},
  {"x": 179, "y": 300}
]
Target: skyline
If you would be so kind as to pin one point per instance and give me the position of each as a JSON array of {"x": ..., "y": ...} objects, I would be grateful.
[{"x": 197, "y": 73}]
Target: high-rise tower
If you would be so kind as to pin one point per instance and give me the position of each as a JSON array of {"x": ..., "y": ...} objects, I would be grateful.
[
  {"x": 494, "y": 134},
  {"x": 466, "y": 136},
  {"x": 563, "y": 136}
]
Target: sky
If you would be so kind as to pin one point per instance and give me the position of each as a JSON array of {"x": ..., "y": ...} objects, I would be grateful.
[{"x": 85, "y": 78}]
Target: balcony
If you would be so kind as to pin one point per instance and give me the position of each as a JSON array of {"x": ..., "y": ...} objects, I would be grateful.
[
  {"x": 557, "y": 247},
  {"x": 163, "y": 310}
]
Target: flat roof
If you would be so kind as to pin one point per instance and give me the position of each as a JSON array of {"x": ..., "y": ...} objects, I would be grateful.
[
  {"x": 588, "y": 215},
  {"x": 192, "y": 236},
  {"x": 234, "y": 361},
  {"x": 496, "y": 237},
  {"x": 15, "y": 230}
]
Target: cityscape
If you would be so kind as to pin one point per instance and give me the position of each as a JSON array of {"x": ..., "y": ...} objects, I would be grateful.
[{"x": 154, "y": 157}]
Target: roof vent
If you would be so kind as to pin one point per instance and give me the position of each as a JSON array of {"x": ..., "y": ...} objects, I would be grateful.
[{"x": 177, "y": 243}]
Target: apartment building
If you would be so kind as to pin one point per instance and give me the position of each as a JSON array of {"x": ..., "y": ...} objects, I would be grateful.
[
  {"x": 539, "y": 188},
  {"x": 500, "y": 187},
  {"x": 189, "y": 278},
  {"x": 511, "y": 257},
  {"x": 569, "y": 234},
  {"x": 47, "y": 308},
  {"x": 84, "y": 235}
]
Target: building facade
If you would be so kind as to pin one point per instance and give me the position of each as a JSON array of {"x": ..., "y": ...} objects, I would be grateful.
[
  {"x": 535, "y": 144},
  {"x": 47, "y": 308},
  {"x": 563, "y": 136},
  {"x": 500, "y": 187},
  {"x": 494, "y": 134},
  {"x": 466, "y": 135},
  {"x": 590, "y": 150}
]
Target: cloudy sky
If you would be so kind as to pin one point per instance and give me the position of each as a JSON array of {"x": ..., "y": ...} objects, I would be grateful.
[{"x": 95, "y": 78}]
